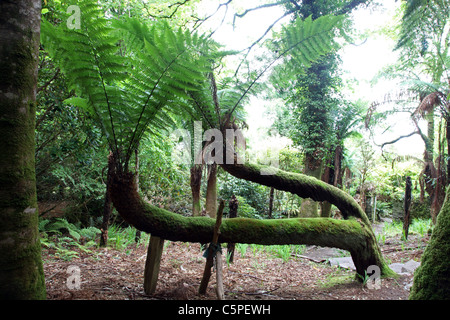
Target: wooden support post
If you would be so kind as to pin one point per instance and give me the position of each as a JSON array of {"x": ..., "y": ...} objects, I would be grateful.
[
  {"x": 211, "y": 250},
  {"x": 219, "y": 277},
  {"x": 152, "y": 263}
]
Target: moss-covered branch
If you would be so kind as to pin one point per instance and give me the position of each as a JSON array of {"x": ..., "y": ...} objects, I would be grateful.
[
  {"x": 302, "y": 185},
  {"x": 351, "y": 235}
]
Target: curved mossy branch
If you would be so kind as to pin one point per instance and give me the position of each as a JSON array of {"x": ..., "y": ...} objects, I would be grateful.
[
  {"x": 302, "y": 185},
  {"x": 351, "y": 235}
]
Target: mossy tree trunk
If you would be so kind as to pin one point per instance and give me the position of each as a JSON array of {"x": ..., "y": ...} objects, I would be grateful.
[
  {"x": 313, "y": 168},
  {"x": 432, "y": 278},
  {"x": 354, "y": 235},
  {"x": 21, "y": 270}
]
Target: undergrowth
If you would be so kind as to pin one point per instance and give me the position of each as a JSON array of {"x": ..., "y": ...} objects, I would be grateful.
[{"x": 66, "y": 240}]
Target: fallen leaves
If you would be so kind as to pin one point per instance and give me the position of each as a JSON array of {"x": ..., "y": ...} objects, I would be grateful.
[{"x": 111, "y": 274}]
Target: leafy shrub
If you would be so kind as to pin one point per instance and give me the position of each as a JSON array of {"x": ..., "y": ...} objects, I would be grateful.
[
  {"x": 251, "y": 194},
  {"x": 62, "y": 237}
]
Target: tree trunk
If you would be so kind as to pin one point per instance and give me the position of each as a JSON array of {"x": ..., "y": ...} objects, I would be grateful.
[
  {"x": 137, "y": 236},
  {"x": 447, "y": 125},
  {"x": 196, "y": 182},
  {"x": 211, "y": 191},
  {"x": 272, "y": 190},
  {"x": 21, "y": 270},
  {"x": 233, "y": 207},
  {"x": 337, "y": 179},
  {"x": 107, "y": 205},
  {"x": 313, "y": 168},
  {"x": 432, "y": 278},
  {"x": 354, "y": 235},
  {"x": 407, "y": 207}
]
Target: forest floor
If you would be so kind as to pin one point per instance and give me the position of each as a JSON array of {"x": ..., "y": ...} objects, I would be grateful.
[{"x": 110, "y": 274}]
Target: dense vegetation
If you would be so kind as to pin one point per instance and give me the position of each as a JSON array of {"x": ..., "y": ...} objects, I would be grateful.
[{"x": 113, "y": 92}]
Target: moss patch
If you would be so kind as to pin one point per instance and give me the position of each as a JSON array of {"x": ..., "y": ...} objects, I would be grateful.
[{"x": 432, "y": 278}]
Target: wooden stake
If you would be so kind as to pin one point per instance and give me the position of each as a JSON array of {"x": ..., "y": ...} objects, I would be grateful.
[
  {"x": 211, "y": 249},
  {"x": 219, "y": 277},
  {"x": 155, "y": 249}
]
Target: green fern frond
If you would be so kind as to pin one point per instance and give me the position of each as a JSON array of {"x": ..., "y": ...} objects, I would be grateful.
[
  {"x": 307, "y": 40},
  {"x": 127, "y": 72}
]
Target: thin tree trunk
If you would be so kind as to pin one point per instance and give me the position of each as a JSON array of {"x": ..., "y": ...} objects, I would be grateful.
[
  {"x": 196, "y": 181},
  {"x": 271, "y": 202},
  {"x": 407, "y": 207},
  {"x": 233, "y": 207},
  {"x": 137, "y": 236},
  {"x": 21, "y": 269},
  {"x": 211, "y": 191},
  {"x": 447, "y": 125},
  {"x": 313, "y": 168},
  {"x": 107, "y": 205}
]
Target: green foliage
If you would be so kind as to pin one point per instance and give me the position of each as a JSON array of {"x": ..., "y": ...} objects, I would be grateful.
[
  {"x": 130, "y": 83},
  {"x": 418, "y": 226},
  {"x": 165, "y": 183},
  {"x": 121, "y": 238},
  {"x": 156, "y": 67},
  {"x": 307, "y": 40},
  {"x": 70, "y": 153},
  {"x": 252, "y": 197},
  {"x": 61, "y": 237},
  {"x": 61, "y": 226},
  {"x": 284, "y": 252}
]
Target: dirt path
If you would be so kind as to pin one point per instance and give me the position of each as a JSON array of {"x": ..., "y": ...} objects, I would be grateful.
[{"x": 111, "y": 274}]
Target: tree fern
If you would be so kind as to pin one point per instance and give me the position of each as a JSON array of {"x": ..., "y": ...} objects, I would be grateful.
[
  {"x": 307, "y": 40},
  {"x": 132, "y": 77},
  {"x": 126, "y": 78}
]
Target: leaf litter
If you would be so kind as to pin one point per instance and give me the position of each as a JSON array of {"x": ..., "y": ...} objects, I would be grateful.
[{"x": 110, "y": 274}]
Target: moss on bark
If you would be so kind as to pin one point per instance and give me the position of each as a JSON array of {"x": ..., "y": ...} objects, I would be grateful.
[
  {"x": 432, "y": 278},
  {"x": 21, "y": 271},
  {"x": 352, "y": 234},
  {"x": 302, "y": 185}
]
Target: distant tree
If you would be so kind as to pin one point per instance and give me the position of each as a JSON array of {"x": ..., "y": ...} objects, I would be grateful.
[
  {"x": 312, "y": 98},
  {"x": 21, "y": 270},
  {"x": 424, "y": 65}
]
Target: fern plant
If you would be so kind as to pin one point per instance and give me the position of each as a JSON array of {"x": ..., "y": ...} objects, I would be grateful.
[
  {"x": 136, "y": 78},
  {"x": 125, "y": 73}
]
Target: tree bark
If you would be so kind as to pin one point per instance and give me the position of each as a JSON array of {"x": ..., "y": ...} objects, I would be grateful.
[
  {"x": 21, "y": 270},
  {"x": 272, "y": 190},
  {"x": 233, "y": 208},
  {"x": 107, "y": 205},
  {"x": 354, "y": 235},
  {"x": 407, "y": 207},
  {"x": 432, "y": 278},
  {"x": 196, "y": 181},
  {"x": 211, "y": 191},
  {"x": 313, "y": 168}
]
